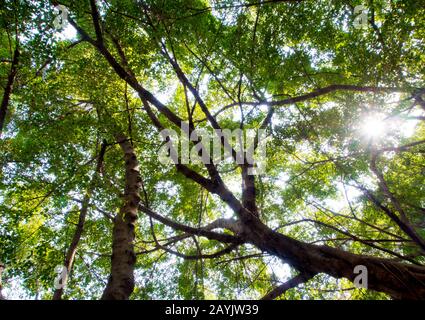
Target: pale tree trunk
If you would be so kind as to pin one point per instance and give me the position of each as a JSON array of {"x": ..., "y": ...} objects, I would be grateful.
[
  {"x": 72, "y": 250},
  {"x": 121, "y": 279},
  {"x": 1, "y": 281}
]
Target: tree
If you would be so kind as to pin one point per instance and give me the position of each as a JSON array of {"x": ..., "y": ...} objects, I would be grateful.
[{"x": 342, "y": 108}]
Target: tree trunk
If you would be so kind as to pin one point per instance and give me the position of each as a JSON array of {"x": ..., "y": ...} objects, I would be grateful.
[
  {"x": 1, "y": 281},
  {"x": 70, "y": 255},
  {"x": 399, "y": 280},
  {"x": 121, "y": 280},
  {"x": 8, "y": 89}
]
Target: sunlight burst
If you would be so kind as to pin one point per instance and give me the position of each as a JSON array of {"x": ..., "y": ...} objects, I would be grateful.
[{"x": 373, "y": 126}]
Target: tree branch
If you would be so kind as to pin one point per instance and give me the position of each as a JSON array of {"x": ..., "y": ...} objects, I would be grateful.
[{"x": 292, "y": 283}]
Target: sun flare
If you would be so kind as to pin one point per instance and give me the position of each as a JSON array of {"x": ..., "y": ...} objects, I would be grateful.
[{"x": 373, "y": 126}]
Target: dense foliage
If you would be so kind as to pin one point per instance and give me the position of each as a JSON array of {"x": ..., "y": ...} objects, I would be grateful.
[{"x": 343, "y": 108}]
